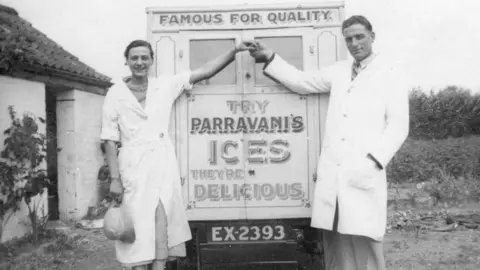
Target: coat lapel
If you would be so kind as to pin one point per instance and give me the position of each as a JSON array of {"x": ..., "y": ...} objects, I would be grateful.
[
  {"x": 345, "y": 78},
  {"x": 128, "y": 99},
  {"x": 366, "y": 73}
]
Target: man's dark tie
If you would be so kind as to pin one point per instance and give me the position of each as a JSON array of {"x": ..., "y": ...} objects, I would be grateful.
[{"x": 355, "y": 69}]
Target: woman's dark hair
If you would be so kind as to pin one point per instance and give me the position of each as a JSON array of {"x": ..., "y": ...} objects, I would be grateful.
[
  {"x": 138, "y": 43},
  {"x": 357, "y": 19}
]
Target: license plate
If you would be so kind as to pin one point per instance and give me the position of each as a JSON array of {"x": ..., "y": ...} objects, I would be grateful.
[{"x": 247, "y": 233}]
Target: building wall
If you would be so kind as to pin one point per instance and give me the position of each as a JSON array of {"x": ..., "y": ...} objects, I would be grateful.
[
  {"x": 80, "y": 158},
  {"x": 25, "y": 96}
]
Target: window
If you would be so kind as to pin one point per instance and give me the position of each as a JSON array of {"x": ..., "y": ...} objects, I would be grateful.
[
  {"x": 203, "y": 51},
  {"x": 289, "y": 48}
]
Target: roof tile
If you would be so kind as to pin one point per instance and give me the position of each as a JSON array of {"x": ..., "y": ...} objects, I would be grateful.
[{"x": 46, "y": 52}]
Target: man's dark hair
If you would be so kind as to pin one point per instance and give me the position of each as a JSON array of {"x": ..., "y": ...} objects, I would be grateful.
[
  {"x": 138, "y": 43},
  {"x": 357, "y": 19}
]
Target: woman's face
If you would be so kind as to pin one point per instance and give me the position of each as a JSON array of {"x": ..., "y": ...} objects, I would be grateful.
[{"x": 139, "y": 61}]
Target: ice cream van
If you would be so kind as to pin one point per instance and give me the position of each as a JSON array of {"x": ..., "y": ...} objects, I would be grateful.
[{"x": 248, "y": 147}]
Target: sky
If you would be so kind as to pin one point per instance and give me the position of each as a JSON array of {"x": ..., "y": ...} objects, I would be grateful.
[{"x": 436, "y": 41}]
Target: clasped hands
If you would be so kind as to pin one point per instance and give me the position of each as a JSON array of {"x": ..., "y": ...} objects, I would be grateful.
[{"x": 257, "y": 50}]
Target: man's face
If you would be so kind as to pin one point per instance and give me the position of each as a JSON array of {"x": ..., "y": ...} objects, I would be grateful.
[
  {"x": 359, "y": 41},
  {"x": 139, "y": 61}
]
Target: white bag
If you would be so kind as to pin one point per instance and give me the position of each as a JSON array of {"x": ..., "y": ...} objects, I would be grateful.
[{"x": 118, "y": 225}]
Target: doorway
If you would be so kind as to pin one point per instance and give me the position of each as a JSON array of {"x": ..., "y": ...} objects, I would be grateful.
[{"x": 51, "y": 132}]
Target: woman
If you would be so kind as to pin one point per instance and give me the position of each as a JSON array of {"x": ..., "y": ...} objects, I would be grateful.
[{"x": 136, "y": 112}]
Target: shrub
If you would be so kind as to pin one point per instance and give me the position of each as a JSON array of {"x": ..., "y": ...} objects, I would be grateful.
[
  {"x": 445, "y": 186},
  {"x": 22, "y": 176},
  {"x": 14, "y": 49},
  {"x": 450, "y": 113},
  {"x": 423, "y": 160}
]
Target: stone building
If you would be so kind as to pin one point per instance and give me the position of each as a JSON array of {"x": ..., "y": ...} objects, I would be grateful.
[{"x": 53, "y": 84}]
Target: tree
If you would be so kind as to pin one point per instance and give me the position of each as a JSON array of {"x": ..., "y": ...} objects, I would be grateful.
[{"x": 22, "y": 176}]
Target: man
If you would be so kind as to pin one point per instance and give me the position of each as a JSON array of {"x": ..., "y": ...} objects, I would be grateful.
[{"x": 367, "y": 122}]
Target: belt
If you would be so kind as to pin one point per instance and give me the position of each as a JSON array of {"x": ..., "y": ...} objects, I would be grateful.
[{"x": 143, "y": 141}]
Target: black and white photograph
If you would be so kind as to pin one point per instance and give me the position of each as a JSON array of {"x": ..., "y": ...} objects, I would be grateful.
[{"x": 242, "y": 134}]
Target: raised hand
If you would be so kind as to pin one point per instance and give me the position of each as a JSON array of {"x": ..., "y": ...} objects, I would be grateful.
[
  {"x": 243, "y": 47},
  {"x": 258, "y": 51}
]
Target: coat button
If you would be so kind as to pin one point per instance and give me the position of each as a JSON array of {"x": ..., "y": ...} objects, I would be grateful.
[{"x": 160, "y": 135}]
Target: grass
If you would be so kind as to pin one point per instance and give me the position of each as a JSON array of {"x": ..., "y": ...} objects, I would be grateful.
[
  {"x": 403, "y": 250},
  {"x": 432, "y": 250},
  {"x": 81, "y": 250},
  {"x": 50, "y": 242}
]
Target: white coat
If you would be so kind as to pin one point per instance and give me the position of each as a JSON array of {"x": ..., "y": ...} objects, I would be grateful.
[
  {"x": 367, "y": 115},
  {"x": 147, "y": 162}
]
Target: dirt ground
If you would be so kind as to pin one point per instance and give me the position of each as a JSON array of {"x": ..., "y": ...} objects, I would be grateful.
[
  {"x": 84, "y": 250},
  {"x": 404, "y": 249},
  {"x": 433, "y": 250}
]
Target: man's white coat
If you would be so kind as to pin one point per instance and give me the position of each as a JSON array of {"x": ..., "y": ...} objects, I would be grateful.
[{"x": 369, "y": 115}]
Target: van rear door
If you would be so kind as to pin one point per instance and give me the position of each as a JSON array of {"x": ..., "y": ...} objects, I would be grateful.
[
  {"x": 212, "y": 134},
  {"x": 282, "y": 156}
]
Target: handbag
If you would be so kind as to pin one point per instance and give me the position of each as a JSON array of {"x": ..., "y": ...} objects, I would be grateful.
[{"x": 118, "y": 224}]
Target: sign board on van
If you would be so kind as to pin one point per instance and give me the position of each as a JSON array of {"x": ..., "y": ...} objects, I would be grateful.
[
  {"x": 246, "y": 19},
  {"x": 245, "y": 151}
]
